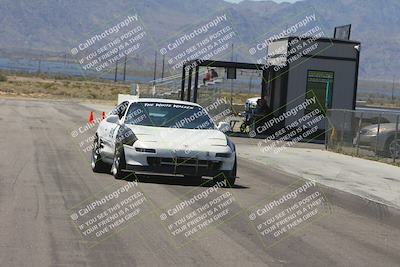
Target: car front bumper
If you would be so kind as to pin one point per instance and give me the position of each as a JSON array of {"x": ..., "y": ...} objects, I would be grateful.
[{"x": 167, "y": 161}]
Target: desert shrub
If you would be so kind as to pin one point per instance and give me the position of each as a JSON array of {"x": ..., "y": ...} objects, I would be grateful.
[{"x": 3, "y": 78}]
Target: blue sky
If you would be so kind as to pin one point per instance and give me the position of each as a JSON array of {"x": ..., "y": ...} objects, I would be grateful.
[{"x": 237, "y": 1}]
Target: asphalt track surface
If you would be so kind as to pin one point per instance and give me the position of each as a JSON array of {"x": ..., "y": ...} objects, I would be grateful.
[{"x": 44, "y": 173}]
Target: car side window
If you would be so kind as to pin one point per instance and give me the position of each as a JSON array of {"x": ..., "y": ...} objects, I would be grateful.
[{"x": 120, "y": 109}]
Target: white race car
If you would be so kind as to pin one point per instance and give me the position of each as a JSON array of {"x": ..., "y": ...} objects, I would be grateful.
[{"x": 163, "y": 136}]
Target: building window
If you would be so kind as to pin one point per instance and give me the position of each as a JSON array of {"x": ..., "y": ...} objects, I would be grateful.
[{"x": 320, "y": 85}]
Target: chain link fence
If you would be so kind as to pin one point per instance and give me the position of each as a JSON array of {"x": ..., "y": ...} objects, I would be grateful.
[{"x": 367, "y": 134}]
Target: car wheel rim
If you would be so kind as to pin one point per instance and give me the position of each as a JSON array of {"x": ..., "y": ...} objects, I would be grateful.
[
  {"x": 93, "y": 160},
  {"x": 116, "y": 164},
  {"x": 395, "y": 148},
  {"x": 95, "y": 155}
]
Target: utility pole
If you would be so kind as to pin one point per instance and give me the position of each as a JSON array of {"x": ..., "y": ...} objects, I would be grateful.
[
  {"x": 394, "y": 78},
  {"x": 40, "y": 65},
  {"x": 125, "y": 67},
  {"x": 155, "y": 68},
  {"x": 232, "y": 79},
  {"x": 116, "y": 69},
  {"x": 251, "y": 81},
  {"x": 65, "y": 63},
  {"x": 162, "y": 72}
]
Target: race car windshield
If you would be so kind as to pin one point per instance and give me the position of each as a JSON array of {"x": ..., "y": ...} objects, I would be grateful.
[{"x": 168, "y": 115}]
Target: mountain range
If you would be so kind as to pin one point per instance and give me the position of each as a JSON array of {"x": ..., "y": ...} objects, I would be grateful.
[{"x": 51, "y": 27}]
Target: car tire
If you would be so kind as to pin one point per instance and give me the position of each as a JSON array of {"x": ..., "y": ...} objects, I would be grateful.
[
  {"x": 392, "y": 148},
  {"x": 97, "y": 164},
  {"x": 229, "y": 176},
  {"x": 119, "y": 163}
]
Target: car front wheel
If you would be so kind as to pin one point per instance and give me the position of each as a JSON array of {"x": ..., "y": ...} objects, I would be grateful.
[
  {"x": 97, "y": 163},
  {"x": 228, "y": 176},
  {"x": 119, "y": 163},
  {"x": 393, "y": 148}
]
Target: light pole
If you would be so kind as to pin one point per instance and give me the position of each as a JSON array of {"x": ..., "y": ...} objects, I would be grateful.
[
  {"x": 155, "y": 68},
  {"x": 125, "y": 67},
  {"x": 394, "y": 79},
  {"x": 162, "y": 71},
  {"x": 232, "y": 80},
  {"x": 116, "y": 68}
]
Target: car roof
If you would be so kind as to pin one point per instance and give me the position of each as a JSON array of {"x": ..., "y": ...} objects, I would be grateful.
[{"x": 161, "y": 100}]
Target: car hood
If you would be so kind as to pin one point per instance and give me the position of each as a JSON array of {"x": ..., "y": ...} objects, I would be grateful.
[{"x": 176, "y": 138}]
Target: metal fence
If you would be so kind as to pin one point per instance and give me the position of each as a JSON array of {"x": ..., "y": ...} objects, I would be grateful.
[{"x": 370, "y": 134}]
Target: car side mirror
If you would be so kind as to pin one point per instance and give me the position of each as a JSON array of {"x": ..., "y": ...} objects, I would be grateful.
[
  {"x": 224, "y": 127},
  {"x": 113, "y": 119}
]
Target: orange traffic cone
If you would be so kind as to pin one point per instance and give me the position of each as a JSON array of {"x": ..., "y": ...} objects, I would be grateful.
[
  {"x": 103, "y": 115},
  {"x": 90, "y": 119}
]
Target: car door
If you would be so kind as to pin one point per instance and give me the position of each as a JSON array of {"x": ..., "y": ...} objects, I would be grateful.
[{"x": 109, "y": 129}]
